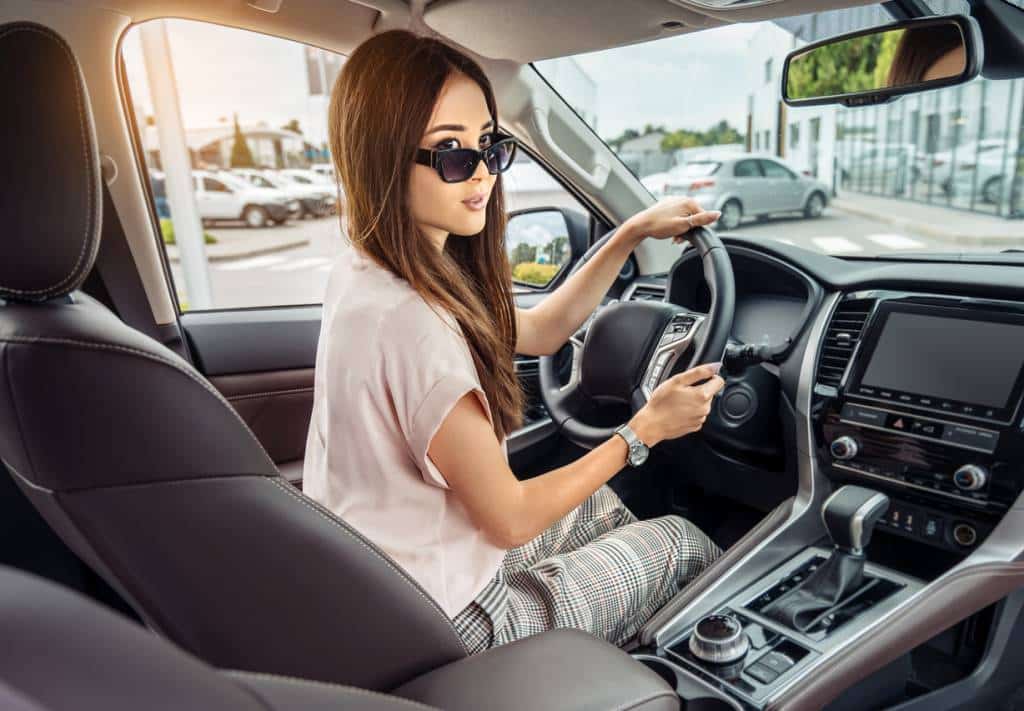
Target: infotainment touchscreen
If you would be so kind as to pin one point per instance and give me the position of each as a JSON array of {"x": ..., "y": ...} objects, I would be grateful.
[{"x": 943, "y": 359}]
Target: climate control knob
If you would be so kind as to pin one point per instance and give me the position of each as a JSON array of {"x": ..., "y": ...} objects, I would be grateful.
[
  {"x": 970, "y": 477},
  {"x": 844, "y": 447}
]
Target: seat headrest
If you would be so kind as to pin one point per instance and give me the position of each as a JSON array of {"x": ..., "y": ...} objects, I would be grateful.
[{"x": 50, "y": 185}]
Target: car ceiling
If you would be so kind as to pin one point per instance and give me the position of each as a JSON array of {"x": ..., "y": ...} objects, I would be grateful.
[{"x": 519, "y": 30}]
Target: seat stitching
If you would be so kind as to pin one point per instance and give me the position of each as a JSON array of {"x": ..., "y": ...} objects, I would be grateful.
[
  {"x": 270, "y": 393},
  {"x": 335, "y": 521},
  {"x": 317, "y": 682},
  {"x": 31, "y": 340},
  {"x": 85, "y": 156}
]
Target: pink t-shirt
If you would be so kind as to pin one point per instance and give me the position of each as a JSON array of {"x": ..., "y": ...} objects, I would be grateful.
[{"x": 388, "y": 371}]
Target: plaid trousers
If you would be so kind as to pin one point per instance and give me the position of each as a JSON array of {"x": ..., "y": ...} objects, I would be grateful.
[{"x": 598, "y": 569}]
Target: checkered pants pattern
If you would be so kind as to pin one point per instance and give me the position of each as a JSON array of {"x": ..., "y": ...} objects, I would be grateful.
[{"x": 597, "y": 569}]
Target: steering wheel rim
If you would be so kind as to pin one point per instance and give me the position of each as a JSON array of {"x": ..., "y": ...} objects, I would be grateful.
[{"x": 651, "y": 324}]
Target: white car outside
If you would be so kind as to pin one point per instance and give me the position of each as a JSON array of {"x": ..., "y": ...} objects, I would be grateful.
[
  {"x": 222, "y": 196},
  {"x": 314, "y": 200}
]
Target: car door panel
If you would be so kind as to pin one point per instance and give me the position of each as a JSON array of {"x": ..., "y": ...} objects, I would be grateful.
[{"x": 750, "y": 186}]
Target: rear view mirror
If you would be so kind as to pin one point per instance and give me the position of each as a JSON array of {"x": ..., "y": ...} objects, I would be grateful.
[{"x": 877, "y": 65}]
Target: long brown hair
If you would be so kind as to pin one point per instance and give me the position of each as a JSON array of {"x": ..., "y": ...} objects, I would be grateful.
[
  {"x": 918, "y": 49},
  {"x": 380, "y": 106}
]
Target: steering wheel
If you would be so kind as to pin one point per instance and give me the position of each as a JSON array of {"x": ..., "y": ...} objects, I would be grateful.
[{"x": 624, "y": 352}]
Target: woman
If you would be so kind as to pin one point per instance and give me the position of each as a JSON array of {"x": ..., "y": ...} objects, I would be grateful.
[{"x": 415, "y": 391}]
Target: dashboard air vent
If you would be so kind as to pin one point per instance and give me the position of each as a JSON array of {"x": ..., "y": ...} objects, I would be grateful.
[
  {"x": 648, "y": 292},
  {"x": 841, "y": 337}
]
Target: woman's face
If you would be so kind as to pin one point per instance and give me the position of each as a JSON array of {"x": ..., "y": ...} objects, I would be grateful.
[{"x": 460, "y": 120}]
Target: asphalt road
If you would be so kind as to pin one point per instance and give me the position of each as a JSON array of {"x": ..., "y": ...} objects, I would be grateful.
[{"x": 299, "y": 275}]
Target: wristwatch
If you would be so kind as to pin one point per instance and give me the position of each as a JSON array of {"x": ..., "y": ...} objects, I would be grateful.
[{"x": 638, "y": 451}]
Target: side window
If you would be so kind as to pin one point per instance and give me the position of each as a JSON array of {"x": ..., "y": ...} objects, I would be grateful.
[
  {"x": 775, "y": 170},
  {"x": 215, "y": 186},
  {"x": 275, "y": 247},
  {"x": 537, "y": 242},
  {"x": 747, "y": 169}
]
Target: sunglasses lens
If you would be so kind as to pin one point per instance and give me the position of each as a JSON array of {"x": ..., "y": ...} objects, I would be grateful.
[
  {"x": 458, "y": 165},
  {"x": 499, "y": 158}
]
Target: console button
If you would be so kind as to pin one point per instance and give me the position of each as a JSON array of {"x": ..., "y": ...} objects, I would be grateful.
[
  {"x": 932, "y": 527},
  {"x": 763, "y": 673},
  {"x": 867, "y": 415},
  {"x": 777, "y": 662},
  {"x": 926, "y": 428},
  {"x": 900, "y": 422},
  {"x": 971, "y": 437}
]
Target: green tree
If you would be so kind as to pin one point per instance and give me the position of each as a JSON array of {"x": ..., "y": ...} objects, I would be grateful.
[
  {"x": 557, "y": 249},
  {"x": 840, "y": 68},
  {"x": 523, "y": 252},
  {"x": 241, "y": 156},
  {"x": 719, "y": 134}
]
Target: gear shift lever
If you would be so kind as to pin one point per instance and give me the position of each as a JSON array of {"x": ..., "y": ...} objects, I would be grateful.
[{"x": 850, "y": 515}]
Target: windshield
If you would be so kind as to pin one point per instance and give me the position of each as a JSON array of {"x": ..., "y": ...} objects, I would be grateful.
[{"x": 701, "y": 114}]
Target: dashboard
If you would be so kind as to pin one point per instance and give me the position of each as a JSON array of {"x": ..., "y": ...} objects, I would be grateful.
[{"x": 917, "y": 387}]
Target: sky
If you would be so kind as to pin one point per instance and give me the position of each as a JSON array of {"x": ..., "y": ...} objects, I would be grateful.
[
  {"x": 690, "y": 81},
  {"x": 221, "y": 70}
]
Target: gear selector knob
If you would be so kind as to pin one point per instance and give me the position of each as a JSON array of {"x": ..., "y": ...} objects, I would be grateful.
[{"x": 850, "y": 515}]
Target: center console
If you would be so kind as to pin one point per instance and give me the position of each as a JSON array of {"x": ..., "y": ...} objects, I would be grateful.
[
  {"x": 920, "y": 396},
  {"x": 909, "y": 425},
  {"x": 777, "y": 627}
]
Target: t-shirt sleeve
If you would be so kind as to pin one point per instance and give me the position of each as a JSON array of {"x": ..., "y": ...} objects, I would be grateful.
[{"x": 428, "y": 368}]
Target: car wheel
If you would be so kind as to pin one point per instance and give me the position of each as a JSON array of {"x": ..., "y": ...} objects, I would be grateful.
[
  {"x": 992, "y": 191},
  {"x": 255, "y": 216},
  {"x": 815, "y": 206},
  {"x": 732, "y": 213}
]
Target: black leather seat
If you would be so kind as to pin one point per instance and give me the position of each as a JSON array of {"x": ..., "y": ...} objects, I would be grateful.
[
  {"x": 148, "y": 474},
  {"x": 64, "y": 651}
]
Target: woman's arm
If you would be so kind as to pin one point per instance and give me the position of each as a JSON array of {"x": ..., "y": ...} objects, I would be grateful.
[
  {"x": 548, "y": 325},
  {"x": 512, "y": 512}
]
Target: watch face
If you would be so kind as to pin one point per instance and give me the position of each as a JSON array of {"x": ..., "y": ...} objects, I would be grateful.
[{"x": 637, "y": 454}]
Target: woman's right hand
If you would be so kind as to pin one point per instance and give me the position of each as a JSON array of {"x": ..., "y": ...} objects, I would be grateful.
[{"x": 678, "y": 406}]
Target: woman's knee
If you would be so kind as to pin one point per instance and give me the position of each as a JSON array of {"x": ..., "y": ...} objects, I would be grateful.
[{"x": 694, "y": 548}]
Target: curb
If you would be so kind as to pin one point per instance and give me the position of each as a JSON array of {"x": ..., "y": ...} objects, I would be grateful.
[
  {"x": 924, "y": 228},
  {"x": 227, "y": 251}
]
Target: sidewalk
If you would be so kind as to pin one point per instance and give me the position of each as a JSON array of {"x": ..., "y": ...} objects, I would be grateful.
[
  {"x": 243, "y": 242},
  {"x": 945, "y": 224}
]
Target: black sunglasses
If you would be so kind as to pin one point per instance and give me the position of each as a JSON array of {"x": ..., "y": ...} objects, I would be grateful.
[{"x": 455, "y": 165}]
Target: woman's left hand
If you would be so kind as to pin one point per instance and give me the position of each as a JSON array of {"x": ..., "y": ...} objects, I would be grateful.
[{"x": 671, "y": 217}]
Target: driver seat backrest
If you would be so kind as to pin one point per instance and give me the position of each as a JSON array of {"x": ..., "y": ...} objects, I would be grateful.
[{"x": 140, "y": 465}]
